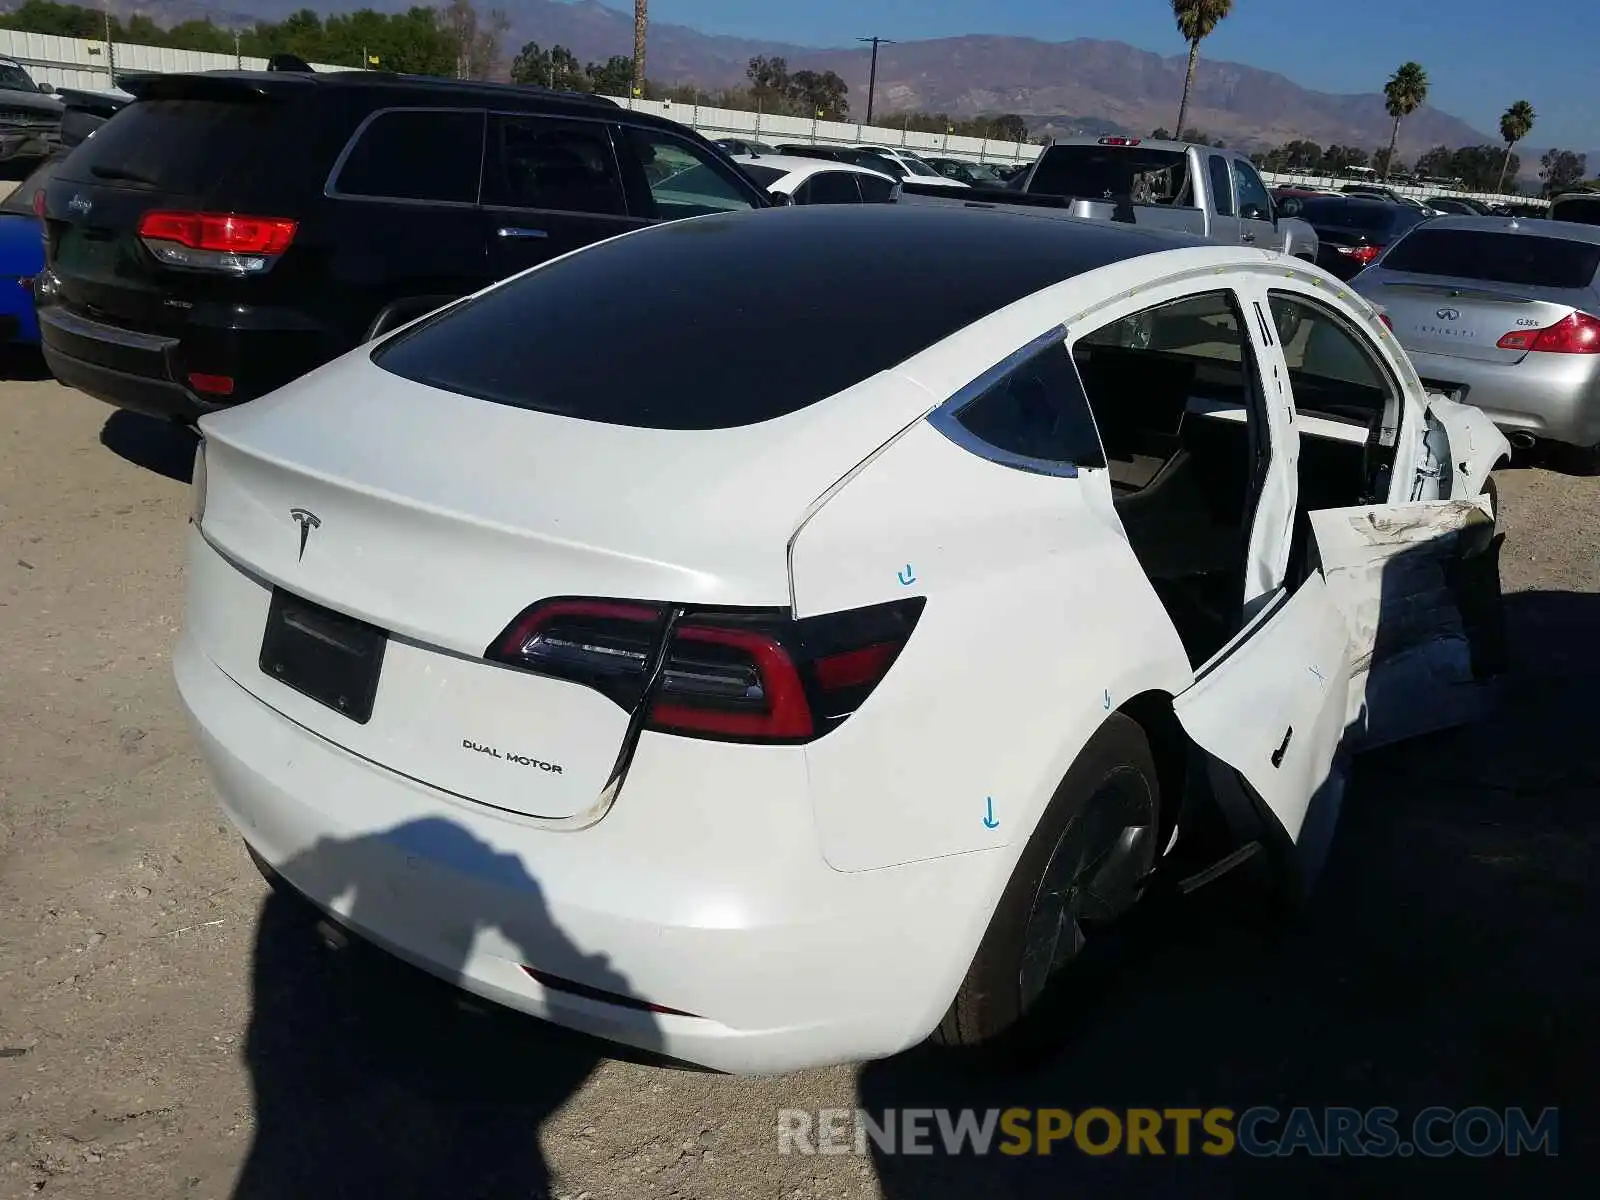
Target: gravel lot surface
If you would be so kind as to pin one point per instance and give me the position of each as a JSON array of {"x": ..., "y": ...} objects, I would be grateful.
[{"x": 166, "y": 1030}]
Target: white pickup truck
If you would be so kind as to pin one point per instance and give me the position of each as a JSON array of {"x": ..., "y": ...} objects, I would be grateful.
[{"x": 1206, "y": 190}]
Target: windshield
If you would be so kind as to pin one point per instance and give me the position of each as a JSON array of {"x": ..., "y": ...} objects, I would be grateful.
[
  {"x": 1102, "y": 172},
  {"x": 14, "y": 78},
  {"x": 918, "y": 167},
  {"x": 1585, "y": 210},
  {"x": 1494, "y": 257},
  {"x": 1346, "y": 214},
  {"x": 872, "y": 162},
  {"x": 763, "y": 177}
]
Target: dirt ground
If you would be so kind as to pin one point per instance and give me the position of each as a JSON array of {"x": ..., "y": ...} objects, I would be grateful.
[{"x": 165, "y": 1031}]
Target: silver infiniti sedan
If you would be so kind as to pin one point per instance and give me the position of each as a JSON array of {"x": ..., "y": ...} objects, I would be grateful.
[{"x": 1503, "y": 314}]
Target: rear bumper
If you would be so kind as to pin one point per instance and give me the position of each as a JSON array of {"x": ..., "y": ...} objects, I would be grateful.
[
  {"x": 702, "y": 891},
  {"x": 147, "y": 372},
  {"x": 1553, "y": 396}
]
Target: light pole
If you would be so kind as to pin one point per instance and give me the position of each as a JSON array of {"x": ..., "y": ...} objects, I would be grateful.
[{"x": 872, "y": 79}]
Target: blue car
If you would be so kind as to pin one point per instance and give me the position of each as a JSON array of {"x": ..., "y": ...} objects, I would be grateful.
[{"x": 21, "y": 258}]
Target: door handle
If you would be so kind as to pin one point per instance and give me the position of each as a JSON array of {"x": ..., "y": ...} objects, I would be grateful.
[
  {"x": 518, "y": 233},
  {"x": 1248, "y": 239}
]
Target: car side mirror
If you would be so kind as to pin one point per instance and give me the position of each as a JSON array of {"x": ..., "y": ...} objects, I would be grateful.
[
  {"x": 48, "y": 89},
  {"x": 780, "y": 198}
]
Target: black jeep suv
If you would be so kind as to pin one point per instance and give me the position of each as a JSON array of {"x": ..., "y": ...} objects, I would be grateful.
[{"x": 229, "y": 231}]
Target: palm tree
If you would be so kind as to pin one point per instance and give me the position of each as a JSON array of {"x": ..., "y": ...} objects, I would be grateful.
[
  {"x": 1197, "y": 19},
  {"x": 1405, "y": 92},
  {"x": 1515, "y": 124},
  {"x": 641, "y": 22}
]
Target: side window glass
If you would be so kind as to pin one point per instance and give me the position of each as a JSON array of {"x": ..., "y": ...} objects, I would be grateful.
[
  {"x": 1221, "y": 185},
  {"x": 684, "y": 180},
  {"x": 416, "y": 154},
  {"x": 833, "y": 187},
  {"x": 875, "y": 191},
  {"x": 566, "y": 165},
  {"x": 1332, "y": 373},
  {"x": 1036, "y": 411},
  {"x": 1254, "y": 203}
]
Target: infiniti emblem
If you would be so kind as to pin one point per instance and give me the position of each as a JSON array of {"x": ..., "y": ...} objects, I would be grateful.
[
  {"x": 1449, "y": 314},
  {"x": 307, "y": 520},
  {"x": 79, "y": 205}
]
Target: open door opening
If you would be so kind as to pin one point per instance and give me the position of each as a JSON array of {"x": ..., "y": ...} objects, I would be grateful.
[
  {"x": 1175, "y": 394},
  {"x": 1347, "y": 413}
]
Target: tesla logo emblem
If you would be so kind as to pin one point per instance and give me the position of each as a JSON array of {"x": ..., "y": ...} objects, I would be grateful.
[
  {"x": 307, "y": 520},
  {"x": 1449, "y": 314},
  {"x": 79, "y": 205}
]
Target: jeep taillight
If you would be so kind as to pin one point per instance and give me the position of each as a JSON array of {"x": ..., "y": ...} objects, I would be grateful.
[
  {"x": 727, "y": 674},
  {"x": 230, "y": 242}
]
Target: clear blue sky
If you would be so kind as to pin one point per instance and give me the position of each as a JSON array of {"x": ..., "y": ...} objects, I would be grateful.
[{"x": 1480, "y": 54}]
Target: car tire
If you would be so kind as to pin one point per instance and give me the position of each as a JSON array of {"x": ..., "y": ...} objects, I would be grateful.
[
  {"x": 1577, "y": 460},
  {"x": 1085, "y": 866}
]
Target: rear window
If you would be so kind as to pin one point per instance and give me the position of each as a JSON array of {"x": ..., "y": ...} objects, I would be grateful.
[
  {"x": 183, "y": 146},
  {"x": 1494, "y": 257},
  {"x": 735, "y": 319},
  {"x": 1149, "y": 176},
  {"x": 1342, "y": 214},
  {"x": 1585, "y": 210},
  {"x": 763, "y": 177}
]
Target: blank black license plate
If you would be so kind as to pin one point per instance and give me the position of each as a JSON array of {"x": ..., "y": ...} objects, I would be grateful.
[{"x": 328, "y": 656}]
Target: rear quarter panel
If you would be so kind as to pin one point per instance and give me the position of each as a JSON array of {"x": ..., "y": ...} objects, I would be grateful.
[{"x": 1039, "y": 622}]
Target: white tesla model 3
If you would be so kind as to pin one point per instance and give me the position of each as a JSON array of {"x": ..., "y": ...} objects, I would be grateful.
[{"x": 737, "y": 640}]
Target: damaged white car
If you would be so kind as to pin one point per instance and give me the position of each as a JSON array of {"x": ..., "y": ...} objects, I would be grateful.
[{"x": 734, "y": 640}]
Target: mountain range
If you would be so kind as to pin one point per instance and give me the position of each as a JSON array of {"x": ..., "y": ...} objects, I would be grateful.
[{"x": 1109, "y": 84}]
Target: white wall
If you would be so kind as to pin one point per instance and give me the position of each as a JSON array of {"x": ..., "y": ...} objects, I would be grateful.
[{"x": 79, "y": 63}]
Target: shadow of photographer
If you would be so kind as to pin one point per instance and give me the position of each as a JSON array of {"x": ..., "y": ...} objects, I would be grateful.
[{"x": 371, "y": 1078}]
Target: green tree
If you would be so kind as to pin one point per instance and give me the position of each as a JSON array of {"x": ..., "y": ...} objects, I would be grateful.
[
  {"x": 1197, "y": 20},
  {"x": 1008, "y": 127},
  {"x": 1406, "y": 91},
  {"x": 821, "y": 95},
  {"x": 1516, "y": 123},
  {"x": 556, "y": 67},
  {"x": 614, "y": 77},
  {"x": 1562, "y": 171}
]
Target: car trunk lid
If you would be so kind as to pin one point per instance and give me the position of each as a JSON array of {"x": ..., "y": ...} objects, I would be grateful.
[
  {"x": 1459, "y": 289},
  {"x": 440, "y": 518},
  {"x": 1465, "y": 321}
]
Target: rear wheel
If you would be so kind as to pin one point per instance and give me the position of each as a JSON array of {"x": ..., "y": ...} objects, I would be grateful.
[{"x": 1083, "y": 868}]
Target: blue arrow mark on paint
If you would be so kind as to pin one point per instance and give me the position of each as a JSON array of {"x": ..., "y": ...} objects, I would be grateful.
[
  {"x": 906, "y": 577},
  {"x": 990, "y": 821}
]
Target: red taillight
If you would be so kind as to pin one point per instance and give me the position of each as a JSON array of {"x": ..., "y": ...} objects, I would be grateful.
[
  {"x": 1578, "y": 333},
  {"x": 726, "y": 675},
  {"x": 38, "y": 203},
  {"x": 1362, "y": 254},
  {"x": 227, "y": 233},
  {"x": 216, "y": 385},
  {"x": 1384, "y": 317},
  {"x": 1120, "y": 141},
  {"x": 216, "y": 241}
]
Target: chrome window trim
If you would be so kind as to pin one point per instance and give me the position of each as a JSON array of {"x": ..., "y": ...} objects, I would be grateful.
[
  {"x": 331, "y": 191},
  {"x": 947, "y": 417}
]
